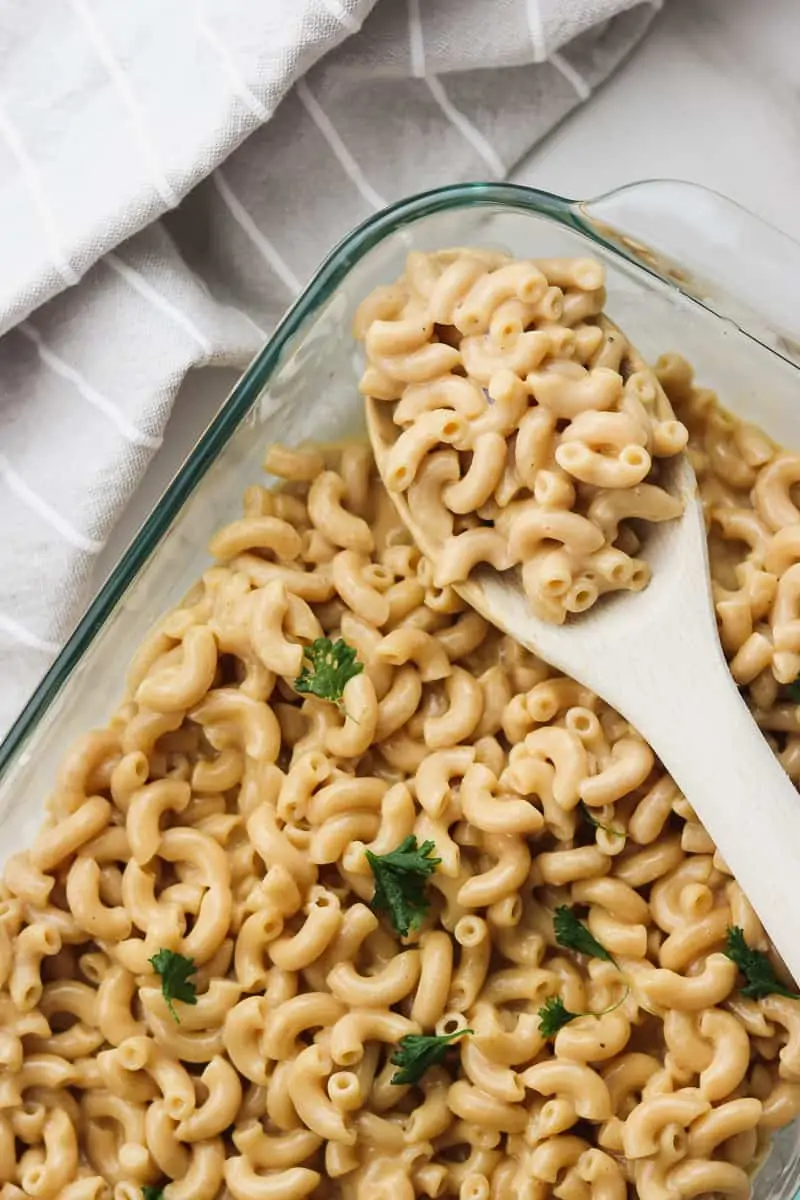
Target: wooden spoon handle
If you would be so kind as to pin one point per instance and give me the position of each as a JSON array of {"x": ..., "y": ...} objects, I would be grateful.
[{"x": 700, "y": 727}]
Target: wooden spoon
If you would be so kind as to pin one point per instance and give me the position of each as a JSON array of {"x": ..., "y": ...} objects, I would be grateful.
[{"x": 655, "y": 656}]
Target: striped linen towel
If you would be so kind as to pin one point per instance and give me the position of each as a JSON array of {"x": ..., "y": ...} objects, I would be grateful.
[{"x": 170, "y": 176}]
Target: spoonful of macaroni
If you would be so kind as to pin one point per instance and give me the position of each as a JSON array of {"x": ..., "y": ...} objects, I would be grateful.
[{"x": 536, "y": 460}]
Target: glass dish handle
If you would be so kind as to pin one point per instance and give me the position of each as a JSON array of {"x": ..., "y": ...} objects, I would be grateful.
[{"x": 709, "y": 248}]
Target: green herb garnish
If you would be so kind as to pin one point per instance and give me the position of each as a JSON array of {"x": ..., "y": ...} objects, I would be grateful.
[
  {"x": 554, "y": 1015},
  {"x": 573, "y": 935},
  {"x": 592, "y": 820},
  {"x": 755, "y": 966},
  {"x": 151, "y": 1192},
  {"x": 333, "y": 665},
  {"x": 400, "y": 883},
  {"x": 175, "y": 970},
  {"x": 417, "y": 1052},
  {"x": 793, "y": 690}
]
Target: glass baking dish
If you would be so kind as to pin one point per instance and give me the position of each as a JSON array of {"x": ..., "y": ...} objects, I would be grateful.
[{"x": 687, "y": 270}]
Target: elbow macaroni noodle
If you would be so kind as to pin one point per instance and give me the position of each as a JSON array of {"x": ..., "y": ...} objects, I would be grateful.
[
  {"x": 225, "y": 816},
  {"x": 526, "y": 431}
]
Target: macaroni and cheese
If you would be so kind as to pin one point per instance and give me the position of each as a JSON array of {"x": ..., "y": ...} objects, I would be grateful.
[
  {"x": 353, "y": 897},
  {"x": 530, "y": 433}
]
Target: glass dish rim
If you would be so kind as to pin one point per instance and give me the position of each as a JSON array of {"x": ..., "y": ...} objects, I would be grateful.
[{"x": 329, "y": 275}]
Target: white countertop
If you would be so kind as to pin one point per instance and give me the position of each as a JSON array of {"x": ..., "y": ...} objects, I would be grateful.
[{"x": 711, "y": 96}]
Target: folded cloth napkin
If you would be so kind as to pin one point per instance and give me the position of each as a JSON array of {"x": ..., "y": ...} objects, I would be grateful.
[{"x": 171, "y": 175}]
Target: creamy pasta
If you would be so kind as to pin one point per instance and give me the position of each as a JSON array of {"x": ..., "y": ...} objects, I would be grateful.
[
  {"x": 401, "y": 914},
  {"x": 528, "y": 430}
]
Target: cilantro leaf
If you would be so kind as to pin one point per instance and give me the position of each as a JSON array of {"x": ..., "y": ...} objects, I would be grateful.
[
  {"x": 400, "y": 883},
  {"x": 554, "y": 1015},
  {"x": 150, "y": 1191},
  {"x": 332, "y": 666},
  {"x": 793, "y": 690},
  {"x": 175, "y": 970},
  {"x": 573, "y": 935},
  {"x": 755, "y": 966},
  {"x": 417, "y": 1052},
  {"x": 588, "y": 816}
]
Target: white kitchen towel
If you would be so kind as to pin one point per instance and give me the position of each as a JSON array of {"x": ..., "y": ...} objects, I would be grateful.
[{"x": 171, "y": 175}]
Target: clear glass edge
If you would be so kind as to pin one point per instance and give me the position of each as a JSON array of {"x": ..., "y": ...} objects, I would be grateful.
[
  {"x": 589, "y": 221},
  {"x": 256, "y": 376}
]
